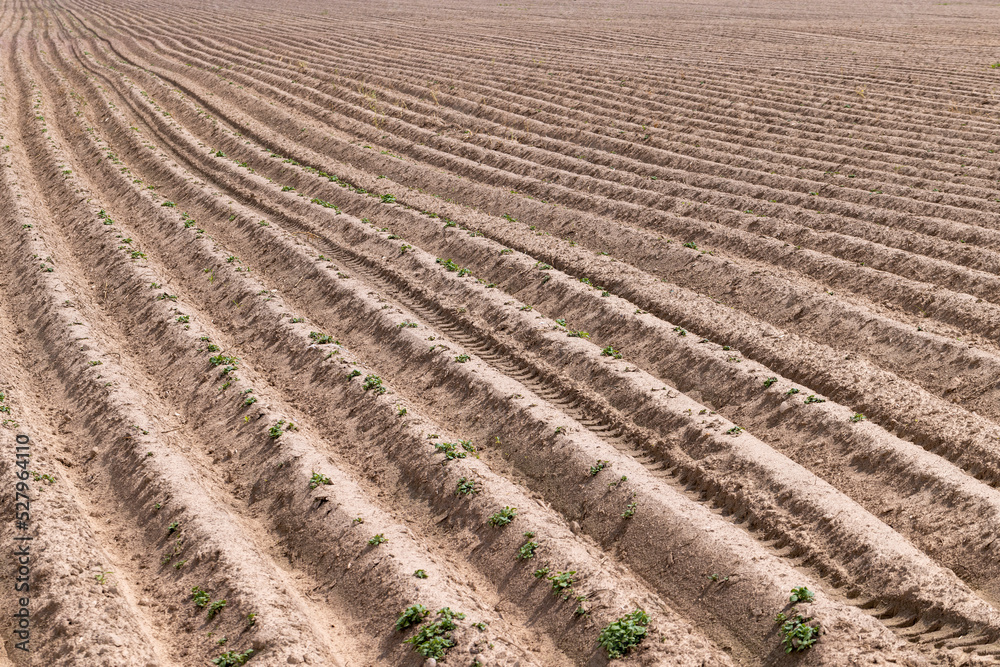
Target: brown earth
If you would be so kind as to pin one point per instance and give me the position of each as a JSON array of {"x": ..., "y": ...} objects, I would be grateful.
[{"x": 708, "y": 292}]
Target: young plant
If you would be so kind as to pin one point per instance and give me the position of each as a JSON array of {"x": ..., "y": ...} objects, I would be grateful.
[
  {"x": 630, "y": 510},
  {"x": 276, "y": 430},
  {"x": 601, "y": 465},
  {"x": 857, "y": 417},
  {"x": 433, "y": 639},
  {"x": 798, "y": 635},
  {"x": 317, "y": 479},
  {"x": 801, "y": 594},
  {"x": 450, "y": 451},
  {"x": 619, "y": 637},
  {"x": 420, "y": 574},
  {"x": 232, "y": 658},
  {"x": 320, "y": 338},
  {"x": 467, "y": 487},
  {"x": 812, "y": 398},
  {"x": 215, "y": 608},
  {"x": 378, "y": 539},
  {"x": 462, "y": 358},
  {"x": 562, "y": 583},
  {"x": 527, "y": 550},
  {"x": 769, "y": 381},
  {"x": 503, "y": 517},
  {"x": 411, "y": 616},
  {"x": 611, "y": 352},
  {"x": 200, "y": 596}
]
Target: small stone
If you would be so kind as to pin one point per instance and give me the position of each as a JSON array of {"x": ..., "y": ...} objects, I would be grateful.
[{"x": 430, "y": 662}]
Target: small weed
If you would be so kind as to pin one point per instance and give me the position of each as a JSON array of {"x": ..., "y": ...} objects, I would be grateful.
[
  {"x": 857, "y": 417},
  {"x": 735, "y": 430},
  {"x": 503, "y": 517},
  {"x": 251, "y": 619},
  {"x": 173, "y": 528},
  {"x": 420, "y": 574},
  {"x": 102, "y": 577}
]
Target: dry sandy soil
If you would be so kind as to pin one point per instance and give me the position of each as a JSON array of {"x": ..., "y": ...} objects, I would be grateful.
[{"x": 296, "y": 298}]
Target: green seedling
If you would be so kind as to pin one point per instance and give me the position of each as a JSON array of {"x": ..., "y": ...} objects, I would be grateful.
[
  {"x": 373, "y": 383},
  {"x": 630, "y": 510},
  {"x": 812, "y": 398},
  {"x": 200, "y": 596},
  {"x": 433, "y": 639},
  {"x": 801, "y": 594},
  {"x": 527, "y": 550},
  {"x": 611, "y": 352},
  {"x": 232, "y": 658},
  {"x": 791, "y": 391},
  {"x": 215, "y": 608},
  {"x": 317, "y": 479},
  {"x": 798, "y": 635},
  {"x": 619, "y": 637},
  {"x": 219, "y": 360},
  {"x": 467, "y": 487},
  {"x": 562, "y": 583},
  {"x": 503, "y": 517},
  {"x": 736, "y": 430},
  {"x": 857, "y": 417},
  {"x": 462, "y": 358},
  {"x": 174, "y": 527},
  {"x": 769, "y": 381},
  {"x": 601, "y": 465},
  {"x": 320, "y": 338},
  {"x": 450, "y": 451},
  {"x": 420, "y": 574},
  {"x": 353, "y": 374},
  {"x": 411, "y": 616},
  {"x": 680, "y": 331},
  {"x": 378, "y": 539},
  {"x": 276, "y": 430}
]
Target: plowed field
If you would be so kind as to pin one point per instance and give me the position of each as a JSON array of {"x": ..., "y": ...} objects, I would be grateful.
[{"x": 540, "y": 312}]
